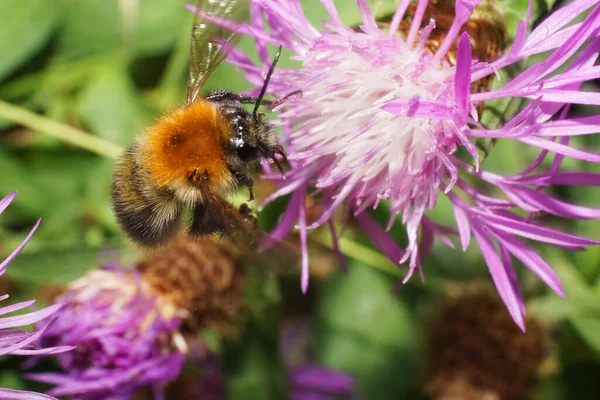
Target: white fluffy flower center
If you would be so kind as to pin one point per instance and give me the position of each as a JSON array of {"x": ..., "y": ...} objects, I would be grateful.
[{"x": 361, "y": 150}]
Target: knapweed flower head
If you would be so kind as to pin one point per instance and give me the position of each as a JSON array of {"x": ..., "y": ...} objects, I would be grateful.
[
  {"x": 126, "y": 338},
  {"x": 21, "y": 342},
  {"x": 382, "y": 116}
]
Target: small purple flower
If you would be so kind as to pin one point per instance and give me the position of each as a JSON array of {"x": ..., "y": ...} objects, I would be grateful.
[
  {"x": 381, "y": 119},
  {"x": 309, "y": 381},
  {"x": 126, "y": 338},
  {"x": 20, "y": 342},
  {"x": 313, "y": 382}
]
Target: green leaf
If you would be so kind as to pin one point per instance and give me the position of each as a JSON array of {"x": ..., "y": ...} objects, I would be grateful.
[
  {"x": 589, "y": 329},
  {"x": 347, "y": 10},
  {"x": 110, "y": 107},
  {"x": 581, "y": 300},
  {"x": 253, "y": 367},
  {"x": 368, "y": 332},
  {"x": 25, "y": 27},
  {"x": 516, "y": 10},
  {"x": 69, "y": 190},
  {"x": 159, "y": 23},
  {"x": 11, "y": 380},
  {"x": 15, "y": 177},
  {"x": 91, "y": 26},
  {"x": 252, "y": 363},
  {"x": 144, "y": 27},
  {"x": 53, "y": 265}
]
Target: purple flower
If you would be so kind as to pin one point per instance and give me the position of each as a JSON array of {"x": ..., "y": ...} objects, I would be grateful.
[
  {"x": 126, "y": 338},
  {"x": 309, "y": 381},
  {"x": 381, "y": 119},
  {"x": 313, "y": 382},
  {"x": 20, "y": 342}
]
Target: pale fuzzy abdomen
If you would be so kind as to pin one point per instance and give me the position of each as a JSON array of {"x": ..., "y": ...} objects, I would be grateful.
[{"x": 148, "y": 216}]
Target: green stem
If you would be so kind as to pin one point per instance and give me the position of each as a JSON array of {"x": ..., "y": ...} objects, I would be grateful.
[
  {"x": 361, "y": 253},
  {"x": 58, "y": 130}
]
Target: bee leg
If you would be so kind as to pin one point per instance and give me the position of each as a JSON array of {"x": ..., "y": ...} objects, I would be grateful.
[
  {"x": 246, "y": 212},
  {"x": 277, "y": 150},
  {"x": 243, "y": 179},
  {"x": 281, "y": 100},
  {"x": 225, "y": 96},
  {"x": 206, "y": 221}
]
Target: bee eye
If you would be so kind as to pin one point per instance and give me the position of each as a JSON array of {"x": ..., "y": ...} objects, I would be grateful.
[{"x": 248, "y": 153}]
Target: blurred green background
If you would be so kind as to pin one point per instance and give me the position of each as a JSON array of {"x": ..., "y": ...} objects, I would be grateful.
[{"x": 80, "y": 78}]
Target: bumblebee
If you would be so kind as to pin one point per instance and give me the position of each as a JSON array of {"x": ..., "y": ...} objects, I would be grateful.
[{"x": 197, "y": 155}]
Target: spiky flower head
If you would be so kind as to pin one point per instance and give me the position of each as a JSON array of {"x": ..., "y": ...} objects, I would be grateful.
[
  {"x": 382, "y": 117},
  {"x": 21, "y": 342},
  {"x": 126, "y": 338},
  {"x": 132, "y": 325}
]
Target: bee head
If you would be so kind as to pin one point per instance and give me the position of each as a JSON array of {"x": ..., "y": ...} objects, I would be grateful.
[
  {"x": 252, "y": 137},
  {"x": 255, "y": 137}
]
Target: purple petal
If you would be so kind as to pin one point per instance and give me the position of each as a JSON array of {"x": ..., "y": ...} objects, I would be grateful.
[
  {"x": 463, "y": 11},
  {"x": 30, "y": 318},
  {"x": 532, "y": 261},
  {"x": 541, "y": 201},
  {"x": 9, "y": 394},
  {"x": 519, "y": 41},
  {"x": 563, "y": 178},
  {"x": 380, "y": 237},
  {"x": 336, "y": 247},
  {"x": 16, "y": 252},
  {"x": 398, "y": 15},
  {"x": 367, "y": 15},
  {"x": 15, "y": 307},
  {"x": 462, "y": 79},
  {"x": 285, "y": 226},
  {"x": 415, "y": 24},
  {"x": 29, "y": 339},
  {"x": 560, "y": 149},
  {"x": 6, "y": 201},
  {"x": 464, "y": 226},
  {"x": 321, "y": 380},
  {"x": 512, "y": 276},
  {"x": 571, "y": 127},
  {"x": 500, "y": 277},
  {"x": 419, "y": 109},
  {"x": 558, "y": 19},
  {"x": 304, "y": 247},
  {"x": 533, "y": 232}
]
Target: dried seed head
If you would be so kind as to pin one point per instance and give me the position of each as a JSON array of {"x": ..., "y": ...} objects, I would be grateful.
[
  {"x": 477, "y": 352},
  {"x": 200, "y": 276}
]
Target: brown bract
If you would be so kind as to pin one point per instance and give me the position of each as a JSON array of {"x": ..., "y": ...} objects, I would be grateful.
[
  {"x": 476, "y": 352},
  {"x": 200, "y": 276}
]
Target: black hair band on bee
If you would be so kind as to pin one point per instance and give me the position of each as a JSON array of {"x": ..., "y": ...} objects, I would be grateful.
[{"x": 267, "y": 79}]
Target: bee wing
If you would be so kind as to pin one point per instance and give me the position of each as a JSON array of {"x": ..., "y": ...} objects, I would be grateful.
[
  {"x": 210, "y": 42},
  {"x": 247, "y": 241}
]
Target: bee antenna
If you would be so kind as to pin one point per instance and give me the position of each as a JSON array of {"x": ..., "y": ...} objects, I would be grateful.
[{"x": 267, "y": 79}]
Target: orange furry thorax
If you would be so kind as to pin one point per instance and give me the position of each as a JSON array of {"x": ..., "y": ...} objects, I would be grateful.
[{"x": 187, "y": 141}]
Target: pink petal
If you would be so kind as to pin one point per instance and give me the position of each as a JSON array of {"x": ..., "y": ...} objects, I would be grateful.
[
  {"x": 500, "y": 277},
  {"x": 20, "y": 248},
  {"x": 462, "y": 80}
]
